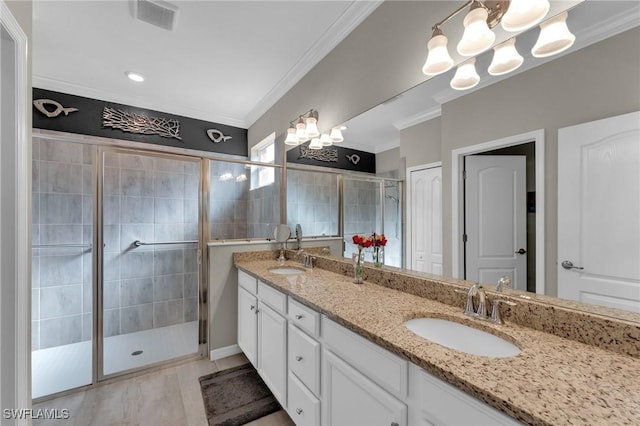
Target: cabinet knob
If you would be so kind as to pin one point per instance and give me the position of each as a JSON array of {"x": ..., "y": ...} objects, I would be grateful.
[
  {"x": 298, "y": 358},
  {"x": 394, "y": 424},
  {"x": 298, "y": 411},
  {"x": 299, "y": 317}
]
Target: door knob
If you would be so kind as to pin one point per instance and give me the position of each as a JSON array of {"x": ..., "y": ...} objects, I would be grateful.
[
  {"x": 567, "y": 264},
  {"x": 521, "y": 251}
]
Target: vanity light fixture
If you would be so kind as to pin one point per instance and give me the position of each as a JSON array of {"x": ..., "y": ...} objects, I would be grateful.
[
  {"x": 482, "y": 17},
  {"x": 466, "y": 76},
  {"x": 554, "y": 37},
  {"x": 505, "y": 58},
  {"x": 305, "y": 127},
  {"x": 477, "y": 36},
  {"x": 134, "y": 76}
]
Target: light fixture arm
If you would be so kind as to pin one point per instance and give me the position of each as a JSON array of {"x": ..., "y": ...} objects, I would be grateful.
[
  {"x": 495, "y": 9},
  {"x": 311, "y": 113}
]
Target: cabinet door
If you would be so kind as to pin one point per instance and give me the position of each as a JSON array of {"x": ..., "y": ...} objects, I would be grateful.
[
  {"x": 272, "y": 351},
  {"x": 248, "y": 325},
  {"x": 351, "y": 399}
]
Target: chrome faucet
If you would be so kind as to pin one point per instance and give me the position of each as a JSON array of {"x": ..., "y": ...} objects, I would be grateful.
[
  {"x": 309, "y": 260},
  {"x": 481, "y": 311},
  {"x": 504, "y": 281}
]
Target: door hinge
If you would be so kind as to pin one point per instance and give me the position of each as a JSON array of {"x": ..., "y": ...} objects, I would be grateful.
[
  {"x": 464, "y": 238},
  {"x": 199, "y": 256},
  {"x": 464, "y": 174}
]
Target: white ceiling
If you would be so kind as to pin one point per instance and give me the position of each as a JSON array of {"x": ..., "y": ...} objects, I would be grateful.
[
  {"x": 224, "y": 61},
  {"x": 379, "y": 128}
]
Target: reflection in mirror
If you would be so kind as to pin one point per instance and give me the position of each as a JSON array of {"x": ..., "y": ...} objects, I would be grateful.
[
  {"x": 282, "y": 233},
  {"x": 238, "y": 196},
  {"x": 427, "y": 123}
]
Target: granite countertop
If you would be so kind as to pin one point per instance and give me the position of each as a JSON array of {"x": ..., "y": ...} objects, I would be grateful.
[{"x": 552, "y": 381}]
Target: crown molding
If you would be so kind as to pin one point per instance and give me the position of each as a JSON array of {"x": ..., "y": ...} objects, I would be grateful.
[
  {"x": 357, "y": 12},
  {"x": 418, "y": 118},
  {"x": 104, "y": 95},
  {"x": 602, "y": 30}
]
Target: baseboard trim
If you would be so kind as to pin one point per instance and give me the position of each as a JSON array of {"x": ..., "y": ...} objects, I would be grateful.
[{"x": 224, "y": 352}]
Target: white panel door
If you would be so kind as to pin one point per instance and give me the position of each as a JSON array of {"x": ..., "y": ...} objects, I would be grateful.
[
  {"x": 599, "y": 212},
  {"x": 426, "y": 220},
  {"x": 495, "y": 218}
]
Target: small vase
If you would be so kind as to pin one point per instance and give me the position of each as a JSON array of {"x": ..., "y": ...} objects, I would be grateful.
[
  {"x": 357, "y": 266},
  {"x": 378, "y": 257}
]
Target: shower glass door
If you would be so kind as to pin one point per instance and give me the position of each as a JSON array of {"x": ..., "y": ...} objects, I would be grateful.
[
  {"x": 62, "y": 266},
  {"x": 150, "y": 271},
  {"x": 362, "y": 211}
]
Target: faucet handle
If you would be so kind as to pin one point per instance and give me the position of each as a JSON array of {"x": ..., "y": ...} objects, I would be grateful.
[{"x": 495, "y": 311}]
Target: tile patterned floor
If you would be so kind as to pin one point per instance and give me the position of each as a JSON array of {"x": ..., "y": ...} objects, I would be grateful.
[{"x": 169, "y": 397}]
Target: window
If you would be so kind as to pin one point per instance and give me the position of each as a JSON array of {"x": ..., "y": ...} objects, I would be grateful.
[{"x": 264, "y": 152}]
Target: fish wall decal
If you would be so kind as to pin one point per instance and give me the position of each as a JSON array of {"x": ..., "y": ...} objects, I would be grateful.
[
  {"x": 40, "y": 106},
  {"x": 217, "y": 136},
  {"x": 354, "y": 158}
]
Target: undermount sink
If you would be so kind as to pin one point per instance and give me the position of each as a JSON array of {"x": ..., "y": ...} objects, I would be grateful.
[
  {"x": 462, "y": 338},
  {"x": 286, "y": 270}
]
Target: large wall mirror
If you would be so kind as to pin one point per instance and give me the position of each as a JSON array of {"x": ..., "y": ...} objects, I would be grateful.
[{"x": 524, "y": 114}]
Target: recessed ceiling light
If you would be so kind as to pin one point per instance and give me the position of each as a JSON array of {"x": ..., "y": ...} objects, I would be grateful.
[{"x": 138, "y": 78}]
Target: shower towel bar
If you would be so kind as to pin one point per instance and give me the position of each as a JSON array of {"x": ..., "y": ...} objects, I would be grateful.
[
  {"x": 139, "y": 243},
  {"x": 44, "y": 246}
]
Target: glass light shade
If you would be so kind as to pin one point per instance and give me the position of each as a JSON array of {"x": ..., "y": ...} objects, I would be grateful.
[
  {"x": 438, "y": 59},
  {"x": 524, "y": 14},
  {"x": 505, "y": 58},
  {"x": 315, "y": 144},
  {"x": 301, "y": 132},
  {"x": 466, "y": 76},
  {"x": 477, "y": 36},
  {"x": 336, "y": 135},
  {"x": 291, "y": 138},
  {"x": 312, "y": 128},
  {"x": 325, "y": 140},
  {"x": 554, "y": 37}
]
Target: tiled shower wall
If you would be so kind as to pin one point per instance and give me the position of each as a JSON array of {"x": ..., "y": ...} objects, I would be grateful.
[
  {"x": 152, "y": 200},
  {"x": 312, "y": 202},
  {"x": 62, "y": 214},
  {"x": 362, "y": 213},
  {"x": 238, "y": 211}
]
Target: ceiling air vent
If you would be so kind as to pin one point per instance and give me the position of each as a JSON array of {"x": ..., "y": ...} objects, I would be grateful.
[{"x": 157, "y": 12}]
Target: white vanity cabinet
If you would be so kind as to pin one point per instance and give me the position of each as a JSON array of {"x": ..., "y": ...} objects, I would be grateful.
[
  {"x": 435, "y": 402},
  {"x": 325, "y": 374},
  {"x": 362, "y": 383},
  {"x": 272, "y": 340},
  {"x": 247, "y": 318}
]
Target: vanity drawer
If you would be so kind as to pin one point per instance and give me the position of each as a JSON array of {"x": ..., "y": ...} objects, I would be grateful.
[
  {"x": 304, "y": 317},
  {"x": 378, "y": 364},
  {"x": 304, "y": 358},
  {"x": 248, "y": 282},
  {"x": 272, "y": 297},
  {"x": 303, "y": 407}
]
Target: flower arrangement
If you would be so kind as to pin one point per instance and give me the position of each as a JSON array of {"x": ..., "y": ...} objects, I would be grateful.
[
  {"x": 362, "y": 242},
  {"x": 379, "y": 241}
]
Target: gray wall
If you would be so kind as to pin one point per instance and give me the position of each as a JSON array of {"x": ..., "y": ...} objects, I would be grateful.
[
  {"x": 422, "y": 143},
  {"x": 382, "y": 57},
  {"x": 593, "y": 83},
  {"x": 388, "y": 161}
]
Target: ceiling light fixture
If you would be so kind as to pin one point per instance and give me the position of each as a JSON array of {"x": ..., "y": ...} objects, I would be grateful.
[
  {"x": 134, "y": 76},
  {"x": 481, "y": 18},
  {"x": 305, "y": 127}
]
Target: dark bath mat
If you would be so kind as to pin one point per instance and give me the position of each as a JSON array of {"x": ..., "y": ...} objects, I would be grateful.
[{"x": 236, "y": 396}]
